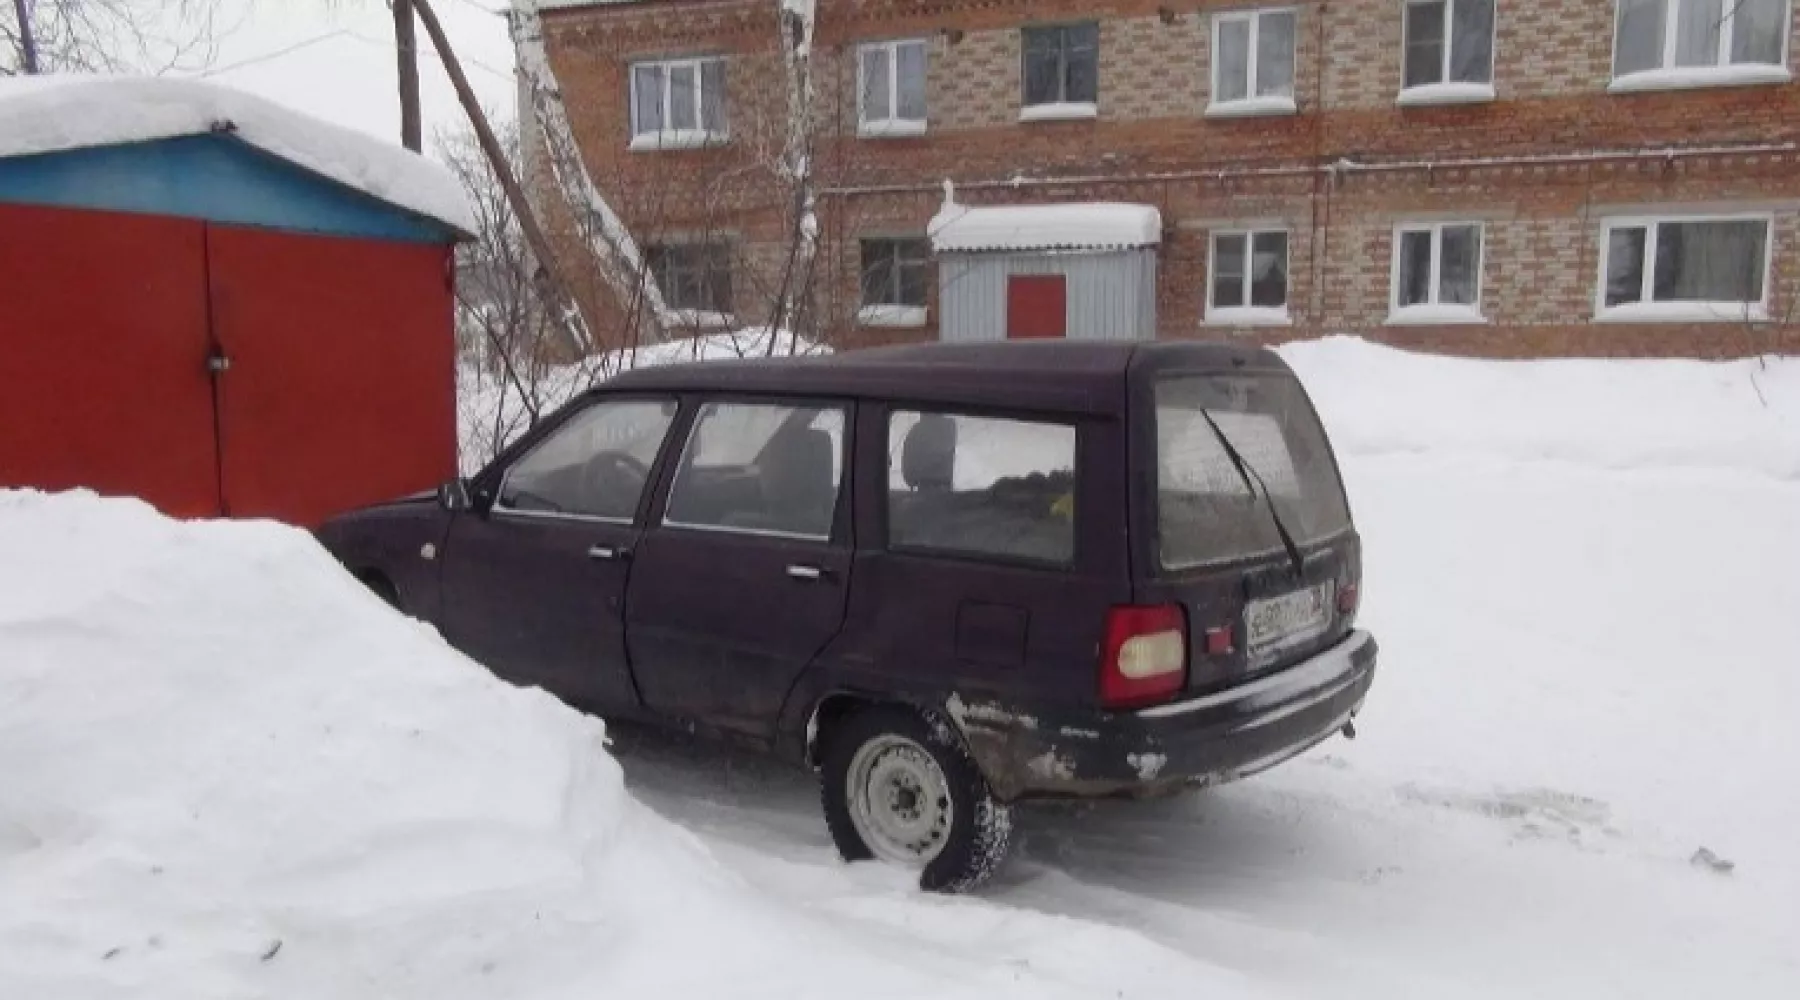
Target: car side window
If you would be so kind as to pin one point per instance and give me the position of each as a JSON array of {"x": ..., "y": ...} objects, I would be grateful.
[
  {"x": 766, "y": 468},
  {"x": 595, "y": 465},
  {"x": 981, "y": 486}
]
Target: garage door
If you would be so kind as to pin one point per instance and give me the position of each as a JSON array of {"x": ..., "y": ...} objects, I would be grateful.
[{"x": 103, "y": 322}]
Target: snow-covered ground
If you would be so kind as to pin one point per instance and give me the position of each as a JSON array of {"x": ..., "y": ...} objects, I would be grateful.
[{"x": 1581, "y": 574}]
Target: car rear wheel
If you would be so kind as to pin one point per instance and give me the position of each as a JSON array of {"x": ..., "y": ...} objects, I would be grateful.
[{"x": 899, "y": 787}]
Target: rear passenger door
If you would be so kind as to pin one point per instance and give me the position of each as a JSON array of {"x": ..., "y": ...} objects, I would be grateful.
[{"x": 743, "y": 578}]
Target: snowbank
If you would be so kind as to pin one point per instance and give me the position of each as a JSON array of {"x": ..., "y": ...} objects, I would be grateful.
[
  {"x": 1615, "y": 414},
  {"x": 226, "y": 771},
  {"x": 50, "y": 114}
]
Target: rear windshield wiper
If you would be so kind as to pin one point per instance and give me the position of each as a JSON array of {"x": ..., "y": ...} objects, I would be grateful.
[{"x": 1247, "y": 472}]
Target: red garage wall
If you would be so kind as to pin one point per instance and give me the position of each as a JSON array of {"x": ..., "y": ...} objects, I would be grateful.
[
  {"x": 103, "y": 377},
  {"x": 340, "y": 389}
]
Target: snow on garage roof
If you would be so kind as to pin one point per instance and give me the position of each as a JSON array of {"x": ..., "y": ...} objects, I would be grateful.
[
  {"x": 54, "y": 114},
  {"x": 1076, "y": 226}
]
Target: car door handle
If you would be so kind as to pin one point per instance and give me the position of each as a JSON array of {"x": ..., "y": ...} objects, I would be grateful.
[
  {"x": 808, "y": 574},
  {"x": 609, "y": 552}
]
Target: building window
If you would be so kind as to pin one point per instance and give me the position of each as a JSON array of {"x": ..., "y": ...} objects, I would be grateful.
[
  {"x": 1448, "y": 52},
  {"x": 894, "y": 275},
  {"x": 694, "y": 277},
  {"x": 1062, "y": 71},
  {"x": 892, "y": 99},
  {"x": 1685, "y": 269},
  {"x": 1249, "y": 278},
  {"x": 1253, "y": 62},
  {"x": 1437, "y": 273},
  {"x": 1676, "y": 43},
  {"x": 677, "y": 103}
]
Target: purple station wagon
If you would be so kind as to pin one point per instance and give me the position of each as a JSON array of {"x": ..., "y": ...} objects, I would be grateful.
[{"x": 947, "y": 577}]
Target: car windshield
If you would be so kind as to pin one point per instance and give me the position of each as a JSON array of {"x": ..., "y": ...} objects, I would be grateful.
[{"x": 1207, "y": 511}]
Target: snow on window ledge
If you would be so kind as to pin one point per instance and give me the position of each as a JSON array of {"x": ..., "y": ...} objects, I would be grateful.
[
  {"x": 1684, "y": 312},
  {"x": 1436, "y": 315},
  {"x": 1063, "y": 112},
  {"x": 891, "y": 317},
  {"x": 1429, "y": 94},
  {"x": 1696, "y": 77},
  {"x": 692, "y": 138},
  {"x": 703, "y": 318},
  {"x": 1250, "y": 107},
  {"x": 891, "y": 128},
  {"x": 1248, "y": 316}
]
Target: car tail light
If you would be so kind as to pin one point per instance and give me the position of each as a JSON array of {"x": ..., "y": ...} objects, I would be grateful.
[
  {"x": 1220, "y": 640},
  {"x": 1346, "y": 597},
  {"x": 1145, "y": 657}
]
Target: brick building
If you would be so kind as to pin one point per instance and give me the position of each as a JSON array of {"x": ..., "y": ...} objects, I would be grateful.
[{"x": 1495, "y": 177}]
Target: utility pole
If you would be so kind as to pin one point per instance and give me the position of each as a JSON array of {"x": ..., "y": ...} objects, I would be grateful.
[
  {"x": 411, "y": 129},
  {"x": 27, "y": 41},
  {"x": 496, "y": 154}
]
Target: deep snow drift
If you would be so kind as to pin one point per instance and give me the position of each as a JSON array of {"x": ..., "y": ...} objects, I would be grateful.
[{"x": 228, "y": 771}]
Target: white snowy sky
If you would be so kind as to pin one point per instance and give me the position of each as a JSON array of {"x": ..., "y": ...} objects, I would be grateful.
[{"x": 335, "y": 59}]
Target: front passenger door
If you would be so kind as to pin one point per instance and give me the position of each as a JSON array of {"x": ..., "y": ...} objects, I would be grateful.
[{"x": 534, "y": 588}]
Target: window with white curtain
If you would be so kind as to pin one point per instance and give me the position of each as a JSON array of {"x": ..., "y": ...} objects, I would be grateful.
[
  {"x": 677, "y": 103},
  {"x": 1437, "y": 273},
  {"x": 1249, "y": 280},
  {"x": 1449, "y": 48},
  {"x": 892, "y": 98},
  {"x": 1687, "y": 41},
  {"x": 1253, "y": 62},
  {"x": 1691, "y": 268}
]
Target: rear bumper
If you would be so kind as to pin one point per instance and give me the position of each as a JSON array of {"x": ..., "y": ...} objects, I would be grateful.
[{"x": 1200, "y": 741}]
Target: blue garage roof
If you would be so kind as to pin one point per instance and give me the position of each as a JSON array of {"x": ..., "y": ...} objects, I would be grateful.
[
  {"x": 196, "y": 150},
  {"x": 217, "y": 178}
]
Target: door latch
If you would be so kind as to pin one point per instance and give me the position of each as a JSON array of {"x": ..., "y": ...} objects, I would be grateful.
[{"x": 218, "y": 364}]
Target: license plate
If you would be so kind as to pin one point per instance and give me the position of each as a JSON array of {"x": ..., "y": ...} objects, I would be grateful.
[{"x": 1291, "y": 617}]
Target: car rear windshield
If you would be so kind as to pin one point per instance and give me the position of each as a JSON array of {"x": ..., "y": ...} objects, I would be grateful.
[{"x": 1207, "y": 509}]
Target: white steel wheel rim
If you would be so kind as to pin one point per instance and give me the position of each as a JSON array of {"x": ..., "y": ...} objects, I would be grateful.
[{"x": 899, "y": 801}]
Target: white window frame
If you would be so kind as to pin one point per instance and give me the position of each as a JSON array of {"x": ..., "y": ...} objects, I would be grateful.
[
  {"x": 1252, "y": 103},
  {"x": 1647, "y": 309},
  {"x": 1064, "y": 109},
  {"x": 1433, "y": 312},
  {"x": 1247, "y": 314},
  {"x": 668, "y": 138},
  {"x": 1447, "y": 91},
  {"x": 1723, "y": 73},
  {"x": 893, "y": 124}
]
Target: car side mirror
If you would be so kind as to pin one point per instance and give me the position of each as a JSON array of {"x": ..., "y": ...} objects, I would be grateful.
[{"x": 454, "y": 495}]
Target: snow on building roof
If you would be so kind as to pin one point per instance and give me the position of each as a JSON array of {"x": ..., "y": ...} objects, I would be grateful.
[
  {"x": 1077, "y": 226},
  {"x": 54, "y": 114}
]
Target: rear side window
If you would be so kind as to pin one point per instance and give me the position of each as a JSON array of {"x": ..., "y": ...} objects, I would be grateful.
[
  {"x": 1208, "y": 508},
  {"x": 760, "y": 468},
  {"x": 595, "y": 465},
  {"x": 981, "y": 486}
]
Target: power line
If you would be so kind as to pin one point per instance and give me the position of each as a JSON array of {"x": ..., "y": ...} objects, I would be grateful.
[
  {"x": 387, "y": 45},
  {"x": 277, "y": 54}
]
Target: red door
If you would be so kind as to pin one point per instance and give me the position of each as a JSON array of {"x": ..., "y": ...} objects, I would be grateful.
[
  {"x": 1037, "y": 306},
  {"x": 103, "y": 322},
  {"x": 341, "y": 387}
]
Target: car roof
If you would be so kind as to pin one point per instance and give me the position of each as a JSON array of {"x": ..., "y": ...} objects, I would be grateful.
[{"x": 1058, "y": 375}]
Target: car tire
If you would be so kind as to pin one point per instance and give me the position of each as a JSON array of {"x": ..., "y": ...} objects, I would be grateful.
[{"x": 957, "y": 838}]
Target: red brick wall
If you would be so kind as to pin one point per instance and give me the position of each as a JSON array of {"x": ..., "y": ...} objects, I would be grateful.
[{"x": 1151, "y": 142}]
